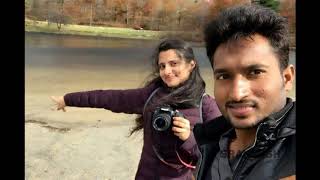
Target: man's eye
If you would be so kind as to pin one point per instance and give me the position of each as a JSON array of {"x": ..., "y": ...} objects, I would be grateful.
[
  {"x": 255, "y": 72},
  {"x": 221, "y": 76}
]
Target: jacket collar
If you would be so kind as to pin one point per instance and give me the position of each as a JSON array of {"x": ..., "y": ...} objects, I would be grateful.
[
  {"x": 275, "y": 125},
  {"x": 278, "y": 125}
]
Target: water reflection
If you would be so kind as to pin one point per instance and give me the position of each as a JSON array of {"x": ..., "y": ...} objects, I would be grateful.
[
  {"x": 72, "y": 41},
  {"x": 87, "y": 45}
]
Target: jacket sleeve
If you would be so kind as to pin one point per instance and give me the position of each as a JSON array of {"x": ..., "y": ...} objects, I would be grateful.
[
  {"x": 129, "y": 101},
  {"x": 189, "y": 151},
  {"x": 210, "y": 131},
  {"x": 210, "y": 109}
]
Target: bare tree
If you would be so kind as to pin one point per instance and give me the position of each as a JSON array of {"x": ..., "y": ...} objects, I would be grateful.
[
  {"x": 91, "y": 4},
  {"x": 60, "y": 13},
  {"x": 55, "y": 12},
  {"x": 127, "y": 11}
]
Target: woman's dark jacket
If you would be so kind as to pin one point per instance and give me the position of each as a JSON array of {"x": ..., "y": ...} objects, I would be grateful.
[
  {"x": 273, "y": 155},
  {"x": 132, "y": 102}
]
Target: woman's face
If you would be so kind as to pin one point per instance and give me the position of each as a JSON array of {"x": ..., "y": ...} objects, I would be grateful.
[{"x": 173, "y": 69}]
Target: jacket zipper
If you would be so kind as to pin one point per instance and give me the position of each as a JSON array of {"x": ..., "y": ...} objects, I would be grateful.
[
  {"x": 255, "y": 140},
  {"x": 241, "y": 160}
]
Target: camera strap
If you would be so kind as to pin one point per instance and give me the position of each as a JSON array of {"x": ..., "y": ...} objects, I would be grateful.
[
  {"x": 149, "y": 98},
  {"x": 200, "y": 107},
  {"x": 175, "y": 166},
  {"x": 183, "y": 164}
]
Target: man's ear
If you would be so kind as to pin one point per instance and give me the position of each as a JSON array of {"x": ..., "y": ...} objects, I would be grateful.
[{"x": 288, "y": 76}]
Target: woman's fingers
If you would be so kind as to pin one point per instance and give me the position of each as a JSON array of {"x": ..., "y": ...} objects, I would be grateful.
[
  {"x": 181, "y": 122},
  {"x": 181, "y": 128},
  {"x": 58, "y": 108},
  {"x": 59, "y": 105},
  {"x": 55, "y": 99},
  {"x": 55, "y": 106}
]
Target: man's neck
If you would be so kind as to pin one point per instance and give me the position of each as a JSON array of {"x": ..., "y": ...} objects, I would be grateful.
[{"x": 244, "y": 139}]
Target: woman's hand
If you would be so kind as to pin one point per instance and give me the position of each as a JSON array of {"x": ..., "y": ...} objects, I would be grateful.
[
  {"x": 181, "y": 128},
  {"x": 59, "y": 101}
]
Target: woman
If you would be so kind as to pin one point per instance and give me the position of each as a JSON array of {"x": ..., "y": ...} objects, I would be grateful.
[{"x": 177, "y": 85}]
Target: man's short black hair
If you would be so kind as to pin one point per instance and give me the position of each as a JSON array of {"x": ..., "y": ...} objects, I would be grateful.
[{"x": 247, "y": 20}]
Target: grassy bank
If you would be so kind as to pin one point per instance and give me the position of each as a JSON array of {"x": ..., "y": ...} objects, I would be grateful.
[{"x": 45, "y": 27}]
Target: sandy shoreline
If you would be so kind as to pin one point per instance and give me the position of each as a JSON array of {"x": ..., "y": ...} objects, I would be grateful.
[
  {"x": 90, "y": 152},
  {"x": 82, "y": 143}
]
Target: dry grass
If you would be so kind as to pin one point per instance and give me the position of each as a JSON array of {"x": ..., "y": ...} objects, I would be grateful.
[{"x": 43, "y": 26}]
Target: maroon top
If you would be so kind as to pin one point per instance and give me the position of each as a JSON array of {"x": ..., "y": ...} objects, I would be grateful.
[{"x": 132, "y": 101}]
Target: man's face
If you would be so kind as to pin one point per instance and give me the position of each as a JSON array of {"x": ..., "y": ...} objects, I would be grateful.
[{"x": 249, "y": 84}]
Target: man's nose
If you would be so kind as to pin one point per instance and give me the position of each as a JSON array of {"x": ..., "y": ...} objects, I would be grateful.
[{"x": 240, "y": 88}]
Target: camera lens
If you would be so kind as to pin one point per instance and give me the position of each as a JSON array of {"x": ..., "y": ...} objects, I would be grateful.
[{"x": 162, "y": 122}]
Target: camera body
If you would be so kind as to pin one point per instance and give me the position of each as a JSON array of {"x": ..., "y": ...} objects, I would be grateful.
[{"x": 162, "y": 117}]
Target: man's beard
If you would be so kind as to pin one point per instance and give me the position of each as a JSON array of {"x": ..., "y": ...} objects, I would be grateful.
[{"x": 250, "y": 126}]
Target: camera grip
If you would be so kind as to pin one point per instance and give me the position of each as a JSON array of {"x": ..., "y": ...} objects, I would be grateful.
[{"x": 178, "y": 114}]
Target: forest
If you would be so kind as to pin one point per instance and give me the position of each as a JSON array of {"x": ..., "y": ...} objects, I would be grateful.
[{"x": 156, "y": 15}]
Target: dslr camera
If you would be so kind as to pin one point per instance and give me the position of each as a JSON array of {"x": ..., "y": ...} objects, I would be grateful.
[{"x": 162, "y": 117}]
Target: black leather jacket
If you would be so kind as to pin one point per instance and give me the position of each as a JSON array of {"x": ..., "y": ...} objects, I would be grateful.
[{"x": 273, "y": 155}]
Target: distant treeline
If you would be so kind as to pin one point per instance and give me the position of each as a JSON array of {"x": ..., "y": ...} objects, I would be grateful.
[{"x": 169, "y": 15}]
